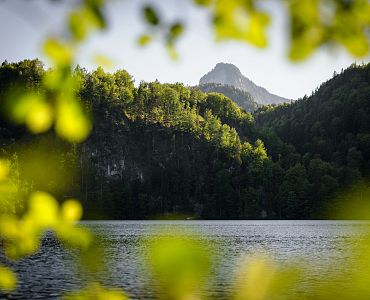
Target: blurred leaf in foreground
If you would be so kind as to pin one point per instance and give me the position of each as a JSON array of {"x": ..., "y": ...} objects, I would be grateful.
[
  {"x": 86, "y": 18},
  {"x": 144, "y": 39},
  {"x": 30, "y": 109},
  {"x": 96, "y": 292},
  {"x": 260, "y": 278},
  {"x": 307, "y": 31},
  {"x": 352, "y": 203},
  {"x": 71, "y": 211},
  {"x": 151, "y": 15},
  {"x": 71, "y": 121},
  {"x": 22, "y": 235},
  {"x": 60, "y": 53},
  {"x": 8, "y": 279},
  {"x": 10, "y": 187},
  {"x": 174, "y": 32},
  {"x": 312, "y": 24},
  {"x": 179, "y": 264},
  {"x": 4, "y": 168},
  {"x": 103, "y": 61},
  {"x": 240, "y": 20}
]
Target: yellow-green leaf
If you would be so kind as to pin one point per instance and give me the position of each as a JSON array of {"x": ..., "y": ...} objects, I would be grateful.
[
  {"x": 4, "y": 168},
  {"x": 71, "y": 122},
  {"x": 58, "y": 52},
  {"x": 144, "y": 39},
  {"x": 43, "y": 209},
  {"x": 8, "y": 280},
  {"x": 40, "y": 117},
  {"x": 71, "y": 211}
]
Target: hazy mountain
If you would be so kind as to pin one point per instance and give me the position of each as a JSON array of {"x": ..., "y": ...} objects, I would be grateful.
[
  {"x": 240, "y": 97},
  {"x": 229, "y": 74}
]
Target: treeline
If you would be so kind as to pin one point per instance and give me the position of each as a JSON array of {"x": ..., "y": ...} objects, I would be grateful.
[
  {"x": 240, "y": 97},
  {"x": 167, "y": 149}
]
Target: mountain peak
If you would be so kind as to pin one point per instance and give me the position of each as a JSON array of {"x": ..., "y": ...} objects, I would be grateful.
[
  {"x": 224, "y": 73},
  {"x": 227, "y": 67},
  {"x": 229, "y": 74}
]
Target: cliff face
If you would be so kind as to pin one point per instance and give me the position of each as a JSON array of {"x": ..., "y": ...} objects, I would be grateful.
[
  {"x": 229, "y": 74},
  {"x": 147, "y": 170}
]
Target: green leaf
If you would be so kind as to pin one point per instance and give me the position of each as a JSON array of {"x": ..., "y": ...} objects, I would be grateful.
[
  {"x": 151, "y": 16},
  {"x": 95, "y": 8},
  {"x": 76, "y": 26},
  {"x": 71, "y": 122},
  {"x": 144, "y": 39},
  {"x": 203, "y": 2},
  {"x": 171, "y": 50},
  {"x": 240, "y": 20},
  {"x": 33, "y": 110},
  {"x": 60, "y": 54},
  {"x": 176, "y": 30},
  {"x": 8, "y": 280},
  {"x": 179, "y": 265},
  {"x": 103, "y": 61}
]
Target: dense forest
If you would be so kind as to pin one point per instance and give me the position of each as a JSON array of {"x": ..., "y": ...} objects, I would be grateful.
[
  {"x": 166, "y": 150},
  {"x": 330, "y": 133}
]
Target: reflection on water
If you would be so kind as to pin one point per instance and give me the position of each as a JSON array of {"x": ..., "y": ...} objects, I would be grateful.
[{"x": 51, "y": 272}]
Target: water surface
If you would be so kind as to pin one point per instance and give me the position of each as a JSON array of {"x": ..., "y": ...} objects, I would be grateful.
[{"x": 322, "y": 244}]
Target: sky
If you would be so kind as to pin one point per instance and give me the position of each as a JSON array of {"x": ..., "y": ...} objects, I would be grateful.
[{"x": 25, "y": 24}]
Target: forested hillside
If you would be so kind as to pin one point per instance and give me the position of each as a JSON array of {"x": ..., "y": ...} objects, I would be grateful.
[
  {"x": 157, "y": 149},
  {"x": 240, "y": 97},
  {"x": 330, "y": 130},
  {"x": 165, "y": 149}
]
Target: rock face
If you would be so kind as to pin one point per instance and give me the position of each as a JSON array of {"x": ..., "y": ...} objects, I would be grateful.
[{"x": 230, "y": 75}]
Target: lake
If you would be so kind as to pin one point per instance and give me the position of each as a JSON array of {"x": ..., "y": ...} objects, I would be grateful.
[{"x": 322, "y": 244}]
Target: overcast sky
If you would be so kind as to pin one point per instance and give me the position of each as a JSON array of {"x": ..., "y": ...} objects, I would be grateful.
[{"x": 24, "y": 25}]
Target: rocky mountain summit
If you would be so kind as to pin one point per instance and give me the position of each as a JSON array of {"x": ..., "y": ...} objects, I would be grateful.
[{"x": 229, "y": 74}]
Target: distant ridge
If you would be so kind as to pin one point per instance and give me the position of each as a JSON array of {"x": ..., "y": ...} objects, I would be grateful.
[
  {"x": 240, "y": 97},
  {"x": 229, "y": 74}
]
